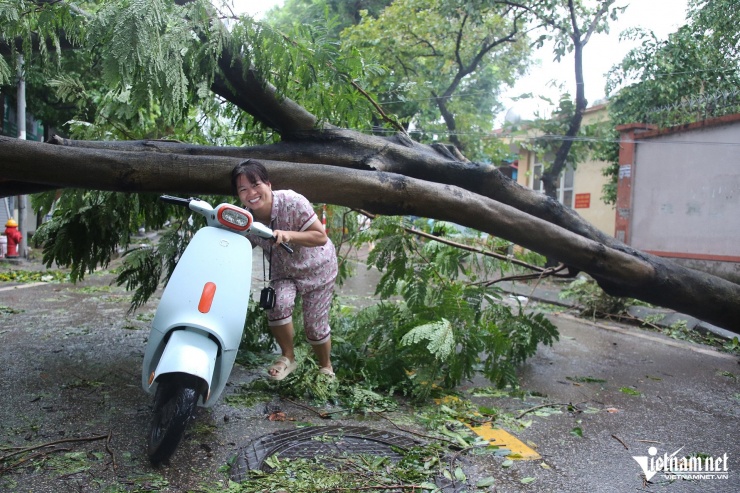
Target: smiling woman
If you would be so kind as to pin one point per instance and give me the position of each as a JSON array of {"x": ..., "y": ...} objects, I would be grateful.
[{"x": 309, "y": 271}]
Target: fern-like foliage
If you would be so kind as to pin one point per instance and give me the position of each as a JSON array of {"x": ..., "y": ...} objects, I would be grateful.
[
  {"x": 37, "y": 26},
  {"x": 440, "y": 324},
  {"x": 145, "y": 267},
  {"x": 145, "y": 55},
  {"x": 87, "y": 227},
  {"x": 439, "y": 334},
  {"x": 594, "y": 302},
  {"x": 510, "y": 338}
]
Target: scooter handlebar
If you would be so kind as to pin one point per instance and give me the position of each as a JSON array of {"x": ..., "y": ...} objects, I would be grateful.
[
  {"x": 264, "y": 232},
  {"x": 259, "y": 229},
  {"x": 175, "y": 200}
]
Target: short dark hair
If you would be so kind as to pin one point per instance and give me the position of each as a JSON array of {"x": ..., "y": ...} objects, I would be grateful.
[{"x": 252, "y": 170}]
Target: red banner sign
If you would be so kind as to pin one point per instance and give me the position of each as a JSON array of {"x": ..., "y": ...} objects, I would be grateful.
[{"x": 583, "y": 200}]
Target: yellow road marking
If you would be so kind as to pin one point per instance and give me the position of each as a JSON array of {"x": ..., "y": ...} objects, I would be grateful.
[{"x": 504, "y": 439}]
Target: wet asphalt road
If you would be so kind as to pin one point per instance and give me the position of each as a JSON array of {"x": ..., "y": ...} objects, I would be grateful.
[{"x": 71, "y": 358}]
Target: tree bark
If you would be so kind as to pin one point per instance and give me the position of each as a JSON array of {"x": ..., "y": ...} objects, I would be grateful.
[
  {"x": 383, "y": 175},
  {"x": 623, "y": 273}
]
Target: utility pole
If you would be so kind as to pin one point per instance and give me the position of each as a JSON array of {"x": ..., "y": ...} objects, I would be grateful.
[{"x": 21, "y": 120}]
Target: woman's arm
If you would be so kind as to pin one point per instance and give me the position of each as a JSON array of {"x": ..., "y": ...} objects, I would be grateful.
[{"x": 312, "y": 236}]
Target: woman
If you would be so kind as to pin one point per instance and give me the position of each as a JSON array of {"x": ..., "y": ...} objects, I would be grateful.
[{"x": 310, "y": 270}]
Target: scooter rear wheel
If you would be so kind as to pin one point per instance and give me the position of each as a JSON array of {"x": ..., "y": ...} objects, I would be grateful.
[{"x": 174, "y": 407}]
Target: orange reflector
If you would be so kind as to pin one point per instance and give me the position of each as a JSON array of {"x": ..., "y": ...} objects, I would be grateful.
[
  {"x": 206, "y": 298},
  {"x": 151, "y": 378}
]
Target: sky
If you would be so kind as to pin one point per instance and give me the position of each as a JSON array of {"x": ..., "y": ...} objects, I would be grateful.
[
  {"x": 601, "y": 53},
  {"x": 256, "y": 8}
]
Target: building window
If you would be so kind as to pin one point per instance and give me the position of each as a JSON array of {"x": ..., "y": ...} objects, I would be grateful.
[{"x": 565, "y": 184}]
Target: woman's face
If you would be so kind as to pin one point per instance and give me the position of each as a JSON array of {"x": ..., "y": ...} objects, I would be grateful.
[{"x": 257, "y": 196}]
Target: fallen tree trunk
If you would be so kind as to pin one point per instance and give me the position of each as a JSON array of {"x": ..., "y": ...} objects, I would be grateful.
[
  {"x": 635, "y": 274},
  {"x": 392, "y": 175}
]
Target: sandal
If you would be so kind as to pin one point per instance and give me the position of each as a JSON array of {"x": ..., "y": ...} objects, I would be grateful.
[
  {"x": 283, "y": 367},
  {"x": 328, "y": 372}
]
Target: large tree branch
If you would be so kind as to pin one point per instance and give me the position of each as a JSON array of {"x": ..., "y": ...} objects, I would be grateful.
[
  {"x": 242, "y": 87},
  {"x": 349, "y": 149},
  {"x": 639, "y": 275},
  {"x": 366, "y": 172}
]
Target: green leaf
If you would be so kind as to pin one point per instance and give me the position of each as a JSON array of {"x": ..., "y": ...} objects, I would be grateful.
[
  {"x": 439, "y": 334},
  {"x": 577, "y": 432},
  {"x": 630, "y": 391},
  {"x": 485, "y": 482},
  {"x": 527, "y": 480}
]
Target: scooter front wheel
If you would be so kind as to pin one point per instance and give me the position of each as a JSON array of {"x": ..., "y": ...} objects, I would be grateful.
[{"x": 174, "y": 407}]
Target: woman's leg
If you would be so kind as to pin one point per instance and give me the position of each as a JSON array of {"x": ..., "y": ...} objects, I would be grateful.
[
  {"x": 316, "y": 306},
  {"x": 280, "y": 321},
  {"x": 283, "y": 335},
  {"x": 323, "y": 354}
]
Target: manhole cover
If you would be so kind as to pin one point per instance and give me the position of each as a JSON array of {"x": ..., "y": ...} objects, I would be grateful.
[{"x": 324, "y": 441}]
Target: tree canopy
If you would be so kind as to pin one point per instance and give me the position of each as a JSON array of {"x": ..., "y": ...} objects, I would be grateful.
[
  {"x": 447, "y": 60},
  {"x": 700, "y": 60},
  {"x": 693, "y": 74},
  {"x": 156, "y": 69}
]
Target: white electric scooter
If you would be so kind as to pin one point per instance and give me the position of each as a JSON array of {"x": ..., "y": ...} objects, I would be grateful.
[{"x": 199, "y": 322}]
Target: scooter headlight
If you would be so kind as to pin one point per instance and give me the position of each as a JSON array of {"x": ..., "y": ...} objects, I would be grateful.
[{"x": 234, "y": 218}]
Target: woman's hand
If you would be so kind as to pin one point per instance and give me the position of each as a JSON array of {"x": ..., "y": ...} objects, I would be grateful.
[{"x": 312, "y": 236}]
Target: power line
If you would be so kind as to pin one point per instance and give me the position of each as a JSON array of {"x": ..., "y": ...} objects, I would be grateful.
[
  {"x": 564, "y": 138},
  {"x": 550, "y": 137},
  {"x": 479, "y": 93}
]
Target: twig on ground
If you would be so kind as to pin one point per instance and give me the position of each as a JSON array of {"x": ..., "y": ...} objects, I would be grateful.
[
  {"x": 460, "y": 452},
  {"x": 31, "y": 457},
  {"x": 112, "y": 455},
  {"x": 55, "y": 442},
  {"x": 456, "y": 444},
  {"x": 390, "y": 488},
  {"x": 534, "y": 408},
  {"x": 620, "y": 441},
  {"x": 322, "y": 415}
]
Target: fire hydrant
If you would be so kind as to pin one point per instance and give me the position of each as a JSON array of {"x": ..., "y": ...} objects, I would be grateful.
[{"x": 14, "y": 237}]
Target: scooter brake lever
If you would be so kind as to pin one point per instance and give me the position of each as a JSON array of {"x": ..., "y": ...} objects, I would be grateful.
[
  {"x": 174, "y": 200},
  {"x": 285, "y": 247}
]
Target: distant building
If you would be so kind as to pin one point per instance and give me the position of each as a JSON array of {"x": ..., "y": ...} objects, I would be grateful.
[
  {"x": 579, "y": 188},
  {"x": 678, "y": 194}
]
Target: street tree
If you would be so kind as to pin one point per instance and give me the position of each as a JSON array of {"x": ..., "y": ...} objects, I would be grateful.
[
  {"x": 335, "y": 15},
  {"x": 569, "y": 26},
  {"x": 700, "y": 60},
  {"x": 303, "y": 146},
  {"x": 447, "y": 62}
]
